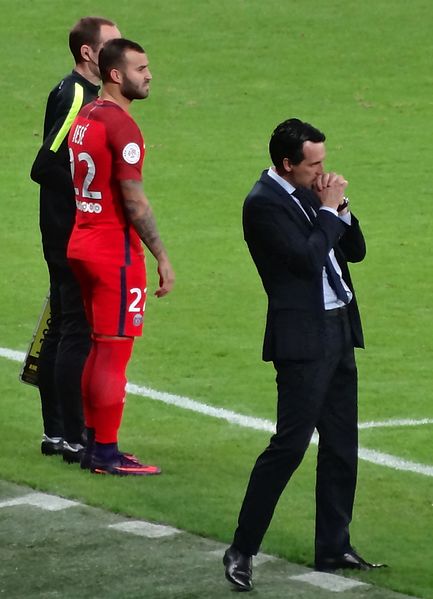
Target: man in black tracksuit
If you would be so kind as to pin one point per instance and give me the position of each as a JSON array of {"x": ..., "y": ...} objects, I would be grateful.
[{"x": 67, "y": 341}]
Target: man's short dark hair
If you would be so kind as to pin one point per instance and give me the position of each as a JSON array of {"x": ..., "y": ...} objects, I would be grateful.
[
  {"x": 288, "y": 138},
  {"x": 86, "y": 32},
  {"x": 112, "y": 55}
]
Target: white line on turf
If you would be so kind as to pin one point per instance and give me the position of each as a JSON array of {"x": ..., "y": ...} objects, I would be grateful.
[
  {"x": 50, "y": 503},
  {"x": 395, "y": 422},
  {"x": 329, "y": 582},
  {"x": 11, "y": 354},
  {"x": 186, "y": 403},
  {"x": 145, "y": 529},
  {"x": 263, "y": 558},
  {"x": 369, "y": 455}
]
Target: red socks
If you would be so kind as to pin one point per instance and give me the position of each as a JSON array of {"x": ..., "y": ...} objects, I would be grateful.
[{"x": 103, "y": 386}]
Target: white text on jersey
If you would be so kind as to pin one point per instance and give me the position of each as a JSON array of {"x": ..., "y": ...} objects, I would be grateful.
[{"x": 79, "y": 133}]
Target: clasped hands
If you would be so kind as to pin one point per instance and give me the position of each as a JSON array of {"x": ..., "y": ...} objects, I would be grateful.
[{"x": 330, "y": 188}]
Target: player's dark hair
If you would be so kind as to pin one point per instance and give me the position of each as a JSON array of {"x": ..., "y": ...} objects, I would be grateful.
[
  {"x": 112, "y": 55},
  {"x": 86, "y": 32},
  {"x": 288, "y": 138}
]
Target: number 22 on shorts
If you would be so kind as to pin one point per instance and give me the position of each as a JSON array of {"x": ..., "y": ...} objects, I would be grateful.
[{"x": 138, "y": 296}]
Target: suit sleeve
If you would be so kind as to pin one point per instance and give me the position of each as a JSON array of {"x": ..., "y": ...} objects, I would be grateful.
[
  {"x": 51, "y": 168},
  {"x": 352, "y": 242},
  {"x": 272, "y": 229}
]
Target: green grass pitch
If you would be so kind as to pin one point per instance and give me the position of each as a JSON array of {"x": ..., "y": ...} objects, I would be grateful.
[{"x": 225, "y": 72}]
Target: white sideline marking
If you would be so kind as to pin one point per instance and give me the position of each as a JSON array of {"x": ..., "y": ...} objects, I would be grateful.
[
  {"x": 391, "y": 461},
  {"x": 10, "y": 354},
  {"x": 395, "y": 422},
  {"x": 50, "y": 503},
  {"x": 262, "y": 558},
  {"x": 261, "y": 424},
  {"x": 369, "y": 455},
  {"x": 145, "y": 529},
  {"x": 329, "y": 582}
]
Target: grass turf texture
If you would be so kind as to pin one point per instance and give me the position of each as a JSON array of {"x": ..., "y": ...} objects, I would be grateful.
[
  {"x": 224, "y": 74},
  {"x": 39, "y": 544}
]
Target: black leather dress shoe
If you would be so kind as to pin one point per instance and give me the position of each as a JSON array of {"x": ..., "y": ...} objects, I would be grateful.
[
  {"x": 348, "y": 560},
  {"x": 239, "y": 568}
]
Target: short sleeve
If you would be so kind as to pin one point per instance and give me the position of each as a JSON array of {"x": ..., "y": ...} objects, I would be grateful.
[{"x": 128, "y": 149}]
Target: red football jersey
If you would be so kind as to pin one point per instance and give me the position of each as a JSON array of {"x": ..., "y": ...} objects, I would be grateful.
[{"x": 105, "y": 147}]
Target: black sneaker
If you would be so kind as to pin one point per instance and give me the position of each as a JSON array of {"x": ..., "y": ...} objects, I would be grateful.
[
  {"x": 121, "y": 465},
  {"x": 72, "y": 452},
  {"x": 86, "y": 458},
  {"x": 51, "y": 445}
]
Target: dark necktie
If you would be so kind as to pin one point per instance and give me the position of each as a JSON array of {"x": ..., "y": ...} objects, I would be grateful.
[{"x": 333, "y": 277}]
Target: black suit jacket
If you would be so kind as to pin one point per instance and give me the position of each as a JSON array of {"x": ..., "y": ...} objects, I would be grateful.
[{"x": 289, "y": 253}]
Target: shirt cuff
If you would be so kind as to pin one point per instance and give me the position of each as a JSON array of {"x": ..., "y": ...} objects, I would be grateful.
[
  {"x": 329, "y": 210},
  {"x": 346, "y": 218}
]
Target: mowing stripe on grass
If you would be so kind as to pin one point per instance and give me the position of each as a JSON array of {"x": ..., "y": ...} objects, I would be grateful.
[{"x": 369, "y": 455}]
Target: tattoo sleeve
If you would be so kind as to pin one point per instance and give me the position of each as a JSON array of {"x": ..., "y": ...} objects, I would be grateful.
[{"x": 139, "y": 213}]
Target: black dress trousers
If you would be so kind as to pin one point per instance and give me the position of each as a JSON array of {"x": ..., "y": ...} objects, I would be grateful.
[{"x": 321, "y": 394}]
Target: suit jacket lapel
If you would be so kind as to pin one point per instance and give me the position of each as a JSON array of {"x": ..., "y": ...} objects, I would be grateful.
[{"x": 289, "y": 202}]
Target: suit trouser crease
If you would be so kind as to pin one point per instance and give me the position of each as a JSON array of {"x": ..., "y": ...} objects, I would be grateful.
[{"x": 312, "y": 394}]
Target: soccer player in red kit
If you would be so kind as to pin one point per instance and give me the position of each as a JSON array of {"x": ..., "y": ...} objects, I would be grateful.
[{"x": 105, "y": 251}]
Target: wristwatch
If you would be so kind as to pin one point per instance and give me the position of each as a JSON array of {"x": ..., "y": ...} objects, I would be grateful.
[{"x": 344, "y": 205}]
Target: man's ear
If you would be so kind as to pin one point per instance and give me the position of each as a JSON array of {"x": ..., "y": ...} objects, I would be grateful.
[
  {"x": 116, "y": 76},
  {"x": 85, "y": 53},
  {"x": 287, "y": 165}
]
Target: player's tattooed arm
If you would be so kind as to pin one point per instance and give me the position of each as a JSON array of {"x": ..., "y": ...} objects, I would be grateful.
[{"x": 139, "y": 213}]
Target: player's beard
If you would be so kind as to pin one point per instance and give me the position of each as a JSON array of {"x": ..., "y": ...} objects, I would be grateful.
[{"x": 131, "y": 91}]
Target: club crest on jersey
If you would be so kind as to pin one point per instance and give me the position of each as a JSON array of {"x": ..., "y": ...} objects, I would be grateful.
[
  {"x": 131, "y": 153},
  {"x": 137, "y": 320}
]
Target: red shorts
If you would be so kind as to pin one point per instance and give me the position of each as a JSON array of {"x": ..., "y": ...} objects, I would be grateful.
[{"x": 114, "y": 296}]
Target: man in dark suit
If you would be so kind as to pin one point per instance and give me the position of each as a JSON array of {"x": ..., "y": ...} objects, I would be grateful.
[{"x": 301, "y": 235}]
